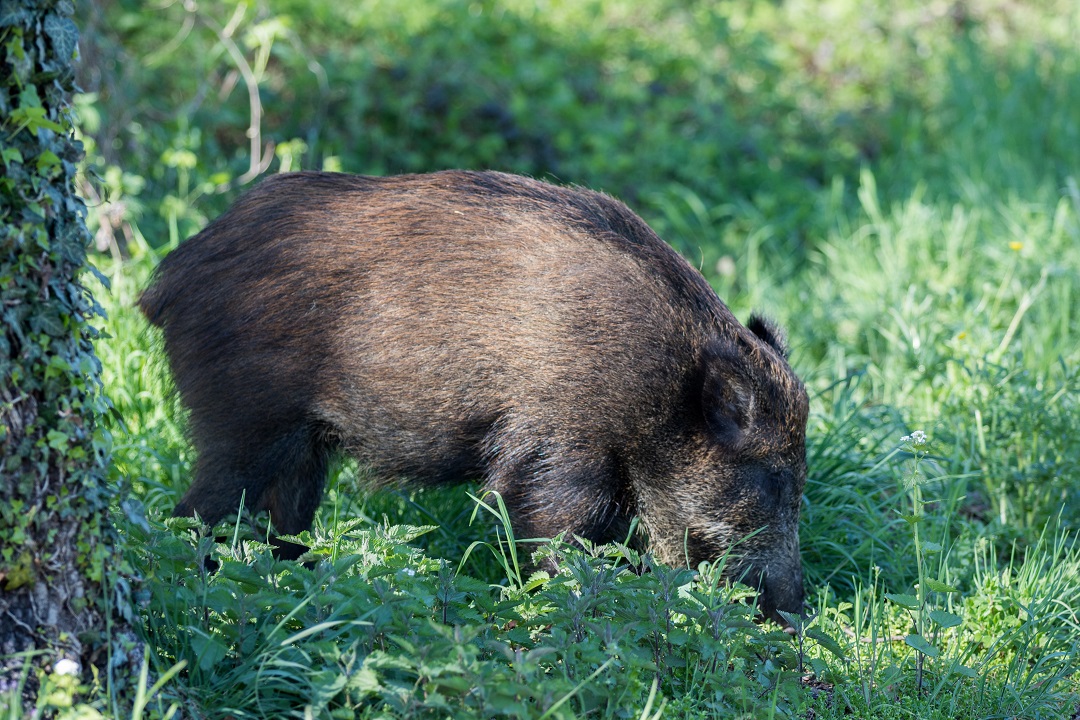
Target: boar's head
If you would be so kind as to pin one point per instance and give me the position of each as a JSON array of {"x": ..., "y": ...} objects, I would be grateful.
[{"x": 741, "y": 469}]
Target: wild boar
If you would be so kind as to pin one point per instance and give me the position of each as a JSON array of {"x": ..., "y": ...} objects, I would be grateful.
[{"x": 479, "y": 325}]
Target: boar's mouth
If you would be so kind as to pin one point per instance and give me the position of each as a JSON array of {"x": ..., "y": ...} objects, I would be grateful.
[
  {"x": 778, "y": 581},
  {"x": 775, "y": 593}
]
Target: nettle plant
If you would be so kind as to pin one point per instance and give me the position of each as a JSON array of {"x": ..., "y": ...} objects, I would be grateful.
[{"x": 927, "y": 601}]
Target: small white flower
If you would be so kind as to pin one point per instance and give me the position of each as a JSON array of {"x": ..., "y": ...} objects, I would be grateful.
[
  {"x": 408, "y": 571},
  {"x": 918, "y": 437},
  {"x": 66, "y": 667}
]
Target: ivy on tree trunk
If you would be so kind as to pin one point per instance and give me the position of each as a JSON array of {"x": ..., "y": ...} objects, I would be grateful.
[{"x": 62, "y": 581}]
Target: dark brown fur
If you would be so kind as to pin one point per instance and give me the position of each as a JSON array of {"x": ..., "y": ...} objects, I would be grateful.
[{"x": 480, "y": 325}]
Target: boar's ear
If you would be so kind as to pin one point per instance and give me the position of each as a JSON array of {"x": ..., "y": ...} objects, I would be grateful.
[
  {"x": 769, "y": 332},
  {"x": 727, "y": 396}
]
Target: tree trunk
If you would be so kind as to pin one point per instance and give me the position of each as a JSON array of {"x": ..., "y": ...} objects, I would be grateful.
[{"x": 61, "y": 574}]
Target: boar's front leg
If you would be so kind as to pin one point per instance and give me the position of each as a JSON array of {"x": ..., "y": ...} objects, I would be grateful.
[{"x": 551, "y": 490}]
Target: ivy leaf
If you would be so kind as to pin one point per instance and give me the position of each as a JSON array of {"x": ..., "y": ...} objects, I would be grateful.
[
  {"x": 57, "y": 440},
  {"x": 11, "y": 155},
  {"x": 12, "y": 14},
  {"x": 63, "y": 34},
  {"x": 47, "y": 161},
  {"x": 49, "y": 324},
  {"x": 33, "y": 118}
]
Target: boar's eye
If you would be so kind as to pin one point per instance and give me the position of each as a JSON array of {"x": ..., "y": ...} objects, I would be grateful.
[{"x": 772, "y": 484}]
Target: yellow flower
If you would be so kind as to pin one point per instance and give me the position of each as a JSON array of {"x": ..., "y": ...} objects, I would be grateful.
[{"x": 1016, "y": 245}]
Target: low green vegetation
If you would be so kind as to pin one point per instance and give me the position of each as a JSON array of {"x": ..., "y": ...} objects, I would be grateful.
[{"x": 897, "y": 183}]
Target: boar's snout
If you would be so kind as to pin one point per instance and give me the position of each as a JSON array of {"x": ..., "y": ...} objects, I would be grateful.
[{"x": 781, "y": 589}]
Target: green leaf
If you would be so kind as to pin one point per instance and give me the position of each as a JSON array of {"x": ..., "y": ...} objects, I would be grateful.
[
  {"x": 905, "y": 601},
  {"x": 57, "y": 367},
  {"x": 365, "y": 680},
  {"x": 456, "y": 683},
  {"x": 29, "y": 98},
  {"x": 945, "y": 619},
  {"x": 57, "y": 440},
  {"x": 403, "y": 644},
  {"x": 937, "y": 586},
  {"x": 64, "y": 35},
  {"x": 33, "y": 118},
  {"x": 964, "y": 670},
  {"x": 826, "y": 642},
  {"x": 536, "y": 580},
  {"x": 919, "y": 643},
  {"x": 243, "y": 574},
  {"x": 931, "y": 547},
  {"x": 208, "y": 649},
  {"x": 911, "y": 519},
  {"x": 47, "y": 160}
]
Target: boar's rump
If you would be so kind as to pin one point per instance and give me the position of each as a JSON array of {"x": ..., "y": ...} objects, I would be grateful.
[{"x": 482, "y": 325}]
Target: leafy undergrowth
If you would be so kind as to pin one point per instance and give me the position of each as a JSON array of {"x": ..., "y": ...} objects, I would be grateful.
[
  {"x": 372, "y": 627},
  {"x": 369, "y": 626}
]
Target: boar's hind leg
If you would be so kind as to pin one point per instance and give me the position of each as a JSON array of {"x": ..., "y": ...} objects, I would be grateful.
[{"x": 284, "y": 477}]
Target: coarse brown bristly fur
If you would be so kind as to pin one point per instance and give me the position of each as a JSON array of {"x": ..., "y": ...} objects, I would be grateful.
[{"x": 464, "y": 325}]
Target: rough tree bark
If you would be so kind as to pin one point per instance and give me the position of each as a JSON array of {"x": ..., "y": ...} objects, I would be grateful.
[{"x": 61, "y": 580}]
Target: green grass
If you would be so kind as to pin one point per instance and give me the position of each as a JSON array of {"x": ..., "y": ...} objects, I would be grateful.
[{"x": 897, "y": 185}]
